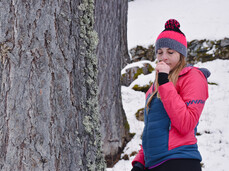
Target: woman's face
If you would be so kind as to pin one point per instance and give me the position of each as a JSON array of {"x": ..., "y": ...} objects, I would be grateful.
[{"x": 169, "y": 56}]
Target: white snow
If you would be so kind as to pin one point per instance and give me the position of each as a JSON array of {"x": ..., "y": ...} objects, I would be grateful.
[
  {"x": 199, "y": 19},
  {"x": 205, "y": 19}
]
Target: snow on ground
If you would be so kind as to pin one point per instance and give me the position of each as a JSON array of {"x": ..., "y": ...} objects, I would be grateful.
[
  {"x": 205, "y": 19},
  {"x": 214, "y": 122}
]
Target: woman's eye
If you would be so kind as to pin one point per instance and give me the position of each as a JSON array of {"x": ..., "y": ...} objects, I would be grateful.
[
  {"x": 170, "y": 52},
  {"x": 159, "y": 53}
]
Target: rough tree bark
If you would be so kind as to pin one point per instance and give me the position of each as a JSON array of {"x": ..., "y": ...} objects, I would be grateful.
[
  {"x": 111, "y": 25},
  {"x": 49, "y": 117}
]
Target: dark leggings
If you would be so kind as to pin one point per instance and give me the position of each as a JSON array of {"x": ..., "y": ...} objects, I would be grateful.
[{"x": 178, "y": 165}]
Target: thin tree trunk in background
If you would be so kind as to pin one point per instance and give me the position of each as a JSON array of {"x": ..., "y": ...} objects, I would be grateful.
[
  {"x": 111, "y": 25},
  {"x": 49, "y": 117}
]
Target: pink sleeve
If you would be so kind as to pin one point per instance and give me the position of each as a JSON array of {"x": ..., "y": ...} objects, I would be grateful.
[
  {"x": 139, "y": 157},
  {"x": 184, "y": 109}
]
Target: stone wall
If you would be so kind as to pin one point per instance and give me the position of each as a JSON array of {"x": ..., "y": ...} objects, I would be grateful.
[{"x": 198, "y": 51}]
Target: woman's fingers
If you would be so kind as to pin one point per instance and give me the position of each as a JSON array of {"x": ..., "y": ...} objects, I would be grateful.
[{"x": 162, "y": 67}]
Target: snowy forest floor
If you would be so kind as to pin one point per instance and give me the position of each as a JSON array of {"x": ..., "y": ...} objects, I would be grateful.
[
  {"x": 213, "y": 127},
  {"x": 206, "y": 19}
]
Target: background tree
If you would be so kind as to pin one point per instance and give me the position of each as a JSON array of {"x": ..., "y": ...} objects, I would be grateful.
[
  {"x": 49, "y": 117},
  {"x": 111, "y": 25}
]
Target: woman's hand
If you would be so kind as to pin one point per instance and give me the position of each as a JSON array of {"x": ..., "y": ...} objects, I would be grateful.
[{"x": 162, "y": 67}]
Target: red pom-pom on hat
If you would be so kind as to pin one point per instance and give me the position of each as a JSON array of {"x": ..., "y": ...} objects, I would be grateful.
[{"x": 172, "y": 24}]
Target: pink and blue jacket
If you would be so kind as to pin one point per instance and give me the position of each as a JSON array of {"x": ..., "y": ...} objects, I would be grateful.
[{"x": 171, "y": 122}]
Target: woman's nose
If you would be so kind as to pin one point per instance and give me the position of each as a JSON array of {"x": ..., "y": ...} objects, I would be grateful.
[{"x": 163, "y": 57}]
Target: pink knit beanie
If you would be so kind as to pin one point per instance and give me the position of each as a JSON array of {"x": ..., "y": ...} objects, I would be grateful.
[{"x": 172, "y": 37}]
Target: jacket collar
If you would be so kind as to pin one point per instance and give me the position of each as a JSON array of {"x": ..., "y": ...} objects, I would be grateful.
[{"x": 185, "y": 70}]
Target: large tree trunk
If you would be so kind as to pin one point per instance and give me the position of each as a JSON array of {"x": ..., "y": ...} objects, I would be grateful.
[
  {"x": 111, "y": 25},
  {"x": 49, "y": 117}
]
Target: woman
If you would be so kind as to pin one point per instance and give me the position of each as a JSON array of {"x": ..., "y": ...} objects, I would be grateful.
[{"x": 173, "y": 107}]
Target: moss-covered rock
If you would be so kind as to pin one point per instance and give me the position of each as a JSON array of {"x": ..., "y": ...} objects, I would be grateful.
[
  {"x": 198, "y": 51},
  {"x": 140, "y": 53},
  {"x": 144, "y": 88},
  {"x": 140, "y": 114},
  {"x": 139, "y": 72},
  {"x": 211, "y": 83},
  {"x": 132, "y": 74},
  {"x": 133, "y": 153},
  {"x": 125, "y": 157}
]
